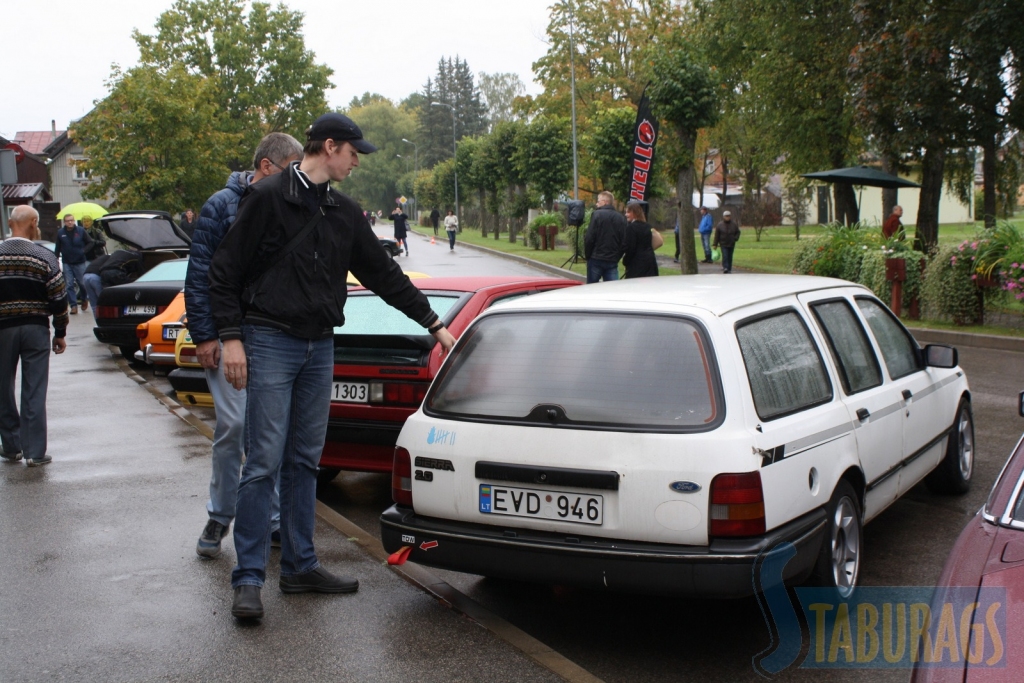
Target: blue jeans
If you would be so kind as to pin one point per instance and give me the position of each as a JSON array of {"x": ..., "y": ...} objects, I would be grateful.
[
  {"x": 451, "y": 239},
  {"x": 601, "y": 270},
  {"x": 289, "y": 399},
  {"x": 228, "y": 449},
  {"x": 727, "y": 259},
  {"x": 705, "y": 241},
  {"x": 74, "y": 278},
  {"x": 25, "y": 432},
  {"x": 93, "y": 288}
]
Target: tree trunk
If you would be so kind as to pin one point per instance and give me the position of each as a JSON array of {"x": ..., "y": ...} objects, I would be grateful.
[
  {"x": 988, "y": 172},
  {"x": 684, "y": 191},
  {"x": 890, "y": 196},
  {"x": 481, "y": 197},
  {"x": 725, "y": 180},
  {"x": 932, "y": 166},
  {"x": 846, "y": 203}
]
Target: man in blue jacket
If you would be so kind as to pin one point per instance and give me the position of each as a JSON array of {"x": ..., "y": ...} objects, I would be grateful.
[
  {"x": 705, "y": 229},
  {"x": 73, "y": 243},
  {"x": 274, "y": 153}
]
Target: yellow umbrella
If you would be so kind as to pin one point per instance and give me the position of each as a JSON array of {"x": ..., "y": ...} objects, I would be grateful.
[{"x": 82, "y": 209}]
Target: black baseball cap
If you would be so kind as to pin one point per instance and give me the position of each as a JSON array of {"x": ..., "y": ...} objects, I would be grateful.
[{"x": 339, "y": 128}]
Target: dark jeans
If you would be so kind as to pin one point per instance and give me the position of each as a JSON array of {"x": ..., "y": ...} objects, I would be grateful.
[
  {"x": 598, "y": 270},
  {"x": 24, "y": 433},
  {"x": 727, "y": 259},
  {"x": 677, "y": 245},
  {"x": 451, "y": 239}
]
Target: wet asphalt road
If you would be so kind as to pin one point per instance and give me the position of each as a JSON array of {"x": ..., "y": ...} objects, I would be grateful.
[{"x": 614, "y": 637}]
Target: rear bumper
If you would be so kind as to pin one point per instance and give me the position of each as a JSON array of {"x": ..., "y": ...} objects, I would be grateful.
[
  {"x": 149, "y": 356},
  {"x": 722, "y": 570},
  {"x": 360, "y": 445},
  {"x": 190, "y": 380},
  {"x": 118, "y": 336}
]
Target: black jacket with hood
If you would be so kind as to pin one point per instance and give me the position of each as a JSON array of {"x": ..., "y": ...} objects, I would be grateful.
[{"x": 304, "y": 293}]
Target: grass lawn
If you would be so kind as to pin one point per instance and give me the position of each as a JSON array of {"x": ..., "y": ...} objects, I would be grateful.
[{"x": 772, "y": 254}]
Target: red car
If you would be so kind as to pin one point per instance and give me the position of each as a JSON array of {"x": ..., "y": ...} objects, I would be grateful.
[
  {"x": 987, "y": 562},
  {"x": 384, "y": 362}
]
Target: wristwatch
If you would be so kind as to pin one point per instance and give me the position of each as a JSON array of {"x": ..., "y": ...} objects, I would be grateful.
[{"x": 436, "y": 327}]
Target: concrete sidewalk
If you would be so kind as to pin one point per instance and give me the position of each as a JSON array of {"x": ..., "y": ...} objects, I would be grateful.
[{"x": 101, "y": 581}]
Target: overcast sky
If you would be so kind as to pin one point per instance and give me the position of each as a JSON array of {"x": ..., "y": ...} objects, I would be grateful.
[{"x": 57, "y": 53}]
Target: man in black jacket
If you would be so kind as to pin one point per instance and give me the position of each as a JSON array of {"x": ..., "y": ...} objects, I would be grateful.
[
  {"x": 277, "y": 290},
  {"x": 603, "y": 243}
]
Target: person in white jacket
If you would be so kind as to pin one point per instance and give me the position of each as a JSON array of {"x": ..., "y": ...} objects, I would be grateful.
[{"x": 451, "y": 224}]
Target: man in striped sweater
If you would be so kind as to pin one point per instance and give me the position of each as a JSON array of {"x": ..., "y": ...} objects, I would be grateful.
[{"x": 31, "y": 290}]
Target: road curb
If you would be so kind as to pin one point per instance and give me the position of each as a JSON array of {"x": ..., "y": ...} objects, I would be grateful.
[{"x": 982, "y": 341}]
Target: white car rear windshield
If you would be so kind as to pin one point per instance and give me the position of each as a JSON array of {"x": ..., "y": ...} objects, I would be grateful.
[{"x": 587, "y": 369}]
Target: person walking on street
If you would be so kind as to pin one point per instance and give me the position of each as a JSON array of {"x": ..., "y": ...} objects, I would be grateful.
[
  {"x": 726, "y": 235},
  {"x": 274, "y": 152},
  {"x": 435, "y": 216},
  {"x": 451, "y": 226},
  {"x": 277, "y": 291},
  {"x": 640, "y": 242},
  {"x": 675, "y": 259},
  {"x": 401, "y": 228},
  {"x": 73, "y": 243},
  {"x": 32, "y": 291},
  {"x": 893, "y": 227},
  {"x": 705, "y": 229},
  {"x": 603, "y": 242},
  {"x": 188, "y": 222}
]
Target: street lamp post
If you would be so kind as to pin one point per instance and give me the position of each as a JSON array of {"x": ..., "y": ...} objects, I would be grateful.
[
  {"x": 455, "y": 158},
  {"x": 416, "y": 172}
]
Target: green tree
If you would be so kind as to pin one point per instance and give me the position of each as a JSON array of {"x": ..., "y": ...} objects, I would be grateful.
[
  {"x": 544, "y": 157},
  {"x": 609, "y": 144},
  {"x": 684, "y": 94},
  {"x": 156, "y": 141},
  {"x": 380, "y": 176},
  {"x": 793, "y": 56},
  {"x": 499, "y": 91},
  {"x": 453, "y": 85},
  {"x": 263, "y": 77}
]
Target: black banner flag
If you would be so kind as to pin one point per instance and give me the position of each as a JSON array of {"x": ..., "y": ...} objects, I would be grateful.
[{"x": 643, "y": 151}]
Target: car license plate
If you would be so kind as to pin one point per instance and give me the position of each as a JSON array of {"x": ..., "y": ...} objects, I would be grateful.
[
  {"x": 171, "y": 333},
  {"x": 140, "y": 310},
  {"x": 350, "y": 392},
  {"x": 582, "y": 508}
]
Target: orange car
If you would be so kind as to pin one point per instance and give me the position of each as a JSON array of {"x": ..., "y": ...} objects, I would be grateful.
[{"x": 158, "y": 334}]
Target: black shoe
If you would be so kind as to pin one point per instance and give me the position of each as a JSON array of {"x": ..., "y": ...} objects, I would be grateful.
[
  {"x": 39, "y": 462},
  {"x": 318, "y": 581},
  {"x": 247, "y": 603},
  {"x": 208, "y": 546},
  {"x": 275, "y": 538},
  {"x": 10, "y": 457}
]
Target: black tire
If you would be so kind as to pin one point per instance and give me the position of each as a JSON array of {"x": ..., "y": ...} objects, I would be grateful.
[
  {"x": 838, "y": 564},
  {"x": 128, "y": 353},
  {"x": 325, "y": 475},
  {"x": 953, "y": 474}
]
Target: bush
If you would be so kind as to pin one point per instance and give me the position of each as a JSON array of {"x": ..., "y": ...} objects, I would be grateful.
[{"x": 949, "y": 289}]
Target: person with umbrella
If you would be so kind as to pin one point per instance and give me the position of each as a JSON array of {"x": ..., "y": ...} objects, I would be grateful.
[{"x": 73, "y": 243}]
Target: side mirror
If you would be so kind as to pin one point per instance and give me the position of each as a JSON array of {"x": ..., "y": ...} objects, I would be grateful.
[{"x": 940, "y": 356}]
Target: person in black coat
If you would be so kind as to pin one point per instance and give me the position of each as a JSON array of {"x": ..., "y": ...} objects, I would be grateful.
[
  {"x": 401, "y": 228},
  {"x": 188, "y": 222},
  {"x": 435, "y": 217},
  {"x": 640, "y": 242}
]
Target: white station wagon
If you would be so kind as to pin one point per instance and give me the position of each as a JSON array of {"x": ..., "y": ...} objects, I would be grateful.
[{"x": 661, "y": 434}]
